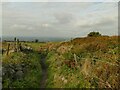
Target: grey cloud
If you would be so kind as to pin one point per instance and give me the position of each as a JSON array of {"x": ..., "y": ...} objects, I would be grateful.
[
  {"x": 64, "y": 18},
  {"x": 57, "y": 19},
  {"x": 102, "y": 23}
]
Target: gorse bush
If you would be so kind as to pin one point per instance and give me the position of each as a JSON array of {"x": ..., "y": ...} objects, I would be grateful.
[{"x": 94, "y": 34}]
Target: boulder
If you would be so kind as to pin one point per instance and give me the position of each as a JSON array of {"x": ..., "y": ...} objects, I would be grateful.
[
  {"x": 18, "y": 67},
  {"x": 19, "y": 74},
  {"x": 4, "y": 70},
  {"x": 12, "y": 51}
]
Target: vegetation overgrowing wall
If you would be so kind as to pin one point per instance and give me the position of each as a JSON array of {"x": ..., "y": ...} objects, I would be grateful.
[{"x": 21, "y": 69}]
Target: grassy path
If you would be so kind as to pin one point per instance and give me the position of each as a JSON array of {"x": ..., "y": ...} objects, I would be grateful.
[{"x": 44, "y": 72}]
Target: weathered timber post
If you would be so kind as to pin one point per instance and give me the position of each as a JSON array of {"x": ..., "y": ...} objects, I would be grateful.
[
  {"x": 8, "y": 49},
  {"x": 75, "y": 58},
  {"x": 15, "y": 44},
  {"x": 18, "y": 45}
]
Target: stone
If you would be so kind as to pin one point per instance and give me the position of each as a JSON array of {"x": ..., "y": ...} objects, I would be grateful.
[
  {"x": 63, "y": 78},
  {"x": 12, "y": 71},
  {"x": 18, "y": 67},
  {"x": 19, "y": 74},
  {"x": 65, "y": 81},
  {"x": 4, "y": 70},
  {"x": 12, "y": 51}
]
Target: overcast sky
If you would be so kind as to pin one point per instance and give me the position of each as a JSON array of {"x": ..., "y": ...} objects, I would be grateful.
[{"x": 59, "y": 19}]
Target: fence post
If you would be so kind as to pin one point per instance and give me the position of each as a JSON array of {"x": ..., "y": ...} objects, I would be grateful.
[
  {"x": 15, "y": 44},
  {"x": 20, "y": 47},
  {"x": 8, "y": 49},
  {"x": 75, "y": 57}
]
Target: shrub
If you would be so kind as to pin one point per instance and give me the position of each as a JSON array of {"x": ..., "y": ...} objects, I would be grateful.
[
  {"x": 94, "y": 34},
  {"x": 36, "y": 40}
]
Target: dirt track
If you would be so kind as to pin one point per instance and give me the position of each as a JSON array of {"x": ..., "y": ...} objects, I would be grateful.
[{"x": 44, "y": 73}]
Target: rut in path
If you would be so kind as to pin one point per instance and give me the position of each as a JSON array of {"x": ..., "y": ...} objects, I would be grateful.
[{"x": 44, "y": 73}]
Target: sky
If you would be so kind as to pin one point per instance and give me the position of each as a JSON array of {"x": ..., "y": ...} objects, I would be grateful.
[
  {"x": 59, "y": 19},
  {"x": 59, "y": 0}
]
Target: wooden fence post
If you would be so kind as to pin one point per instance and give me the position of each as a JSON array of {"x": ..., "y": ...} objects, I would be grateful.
[
  {"x": 15, "y": 44},
  {"x": 8, "y": 49},
  {"x": 75, "y": 57},
  {"x": 20, "y": 47}
]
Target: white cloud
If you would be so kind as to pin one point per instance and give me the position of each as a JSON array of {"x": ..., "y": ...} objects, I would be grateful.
[
  {"x": 18, "y": 26},
  {"x": 31, "y": 28},
  {"x": 45, "y": 25},
  {"x": 64, "y": 17}
]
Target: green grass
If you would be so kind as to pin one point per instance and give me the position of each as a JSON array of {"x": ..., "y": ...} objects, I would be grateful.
[
  {"x": 97, "y": 64},
  {"x": 34, "y": 45}
]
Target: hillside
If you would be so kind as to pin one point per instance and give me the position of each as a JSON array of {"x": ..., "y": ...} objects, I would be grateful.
[
  {"x": 84, "y": 63},
  {"x": 89, "y": 62}
]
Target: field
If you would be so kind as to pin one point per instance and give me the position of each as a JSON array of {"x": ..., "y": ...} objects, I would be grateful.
[{"x": 89, "y": 62}]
